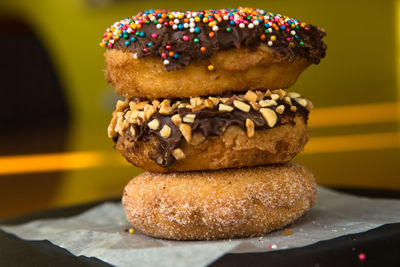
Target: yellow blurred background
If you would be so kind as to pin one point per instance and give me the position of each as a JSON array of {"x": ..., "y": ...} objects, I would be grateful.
[{"x": 355, "y": 140}]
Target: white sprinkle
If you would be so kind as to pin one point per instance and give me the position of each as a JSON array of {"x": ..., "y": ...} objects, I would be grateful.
[
  {"x": 188, "y": 15},
  {"x": 186, "y": 25},
  {"x": 256, "y": 23},
  {"x": 226, "y": 17},
  {"x": 191, "y": 29},
  {"x": 251, "y": 25},
  {"x": 174, "y": 26},
  {"x": 293, "y": 33},
  {"x": 135, "y": 56},
  {"x": 274, "y": 246},
  {"x": 129, "y": 30},
  {"x": 215, "y": 28},
  {"x": 241, "y": 25},
  {"x": 166, "y": 62},
  {"x": 269, "y": 30},
  {"x": 158, "y": 26},
  {"x": 191, "y": 19},
  {"x": 194, "y": 14},
  {"x": 270, "y": 43},
  {"x": 112, "y": 41},
  {"x": 153, "y": 18},
  {"x": 192, "y": 24},
  {"x": 176, "y": 21}
]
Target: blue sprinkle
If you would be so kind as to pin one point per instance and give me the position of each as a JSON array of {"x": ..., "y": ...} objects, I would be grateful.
[
  {"x": 180, "y": 27},
  {"x": 127, "y": 43},
  {"x": 197, "y": 30},
  {"x": 150, "y": 44},
  {"x": 296, "y": 36},
  {"x": 146, "y": 12},
  {"x": 232, "y": 22},
  {"x": 142, "y": 34},
  {"x": 266, "y": 25},
  {"x": 120, "y": 35},
  {"x": 283, "y": 27},
  {"x": 176, "y": 56},
  {"x": 133, "y": 39},
  {"x": 151, "y": 10},
  {"x": 200, "y": 15},
  {"x": 159, "y": 15}
]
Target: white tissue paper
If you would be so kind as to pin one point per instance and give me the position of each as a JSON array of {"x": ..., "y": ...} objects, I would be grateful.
[{"x": 99, "y": 232}]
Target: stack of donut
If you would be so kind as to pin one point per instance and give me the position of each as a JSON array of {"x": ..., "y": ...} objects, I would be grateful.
[{"x": 207, "y": 117}]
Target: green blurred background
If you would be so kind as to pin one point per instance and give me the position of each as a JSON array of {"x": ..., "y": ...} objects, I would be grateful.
[{"x": 357, "y": 143}]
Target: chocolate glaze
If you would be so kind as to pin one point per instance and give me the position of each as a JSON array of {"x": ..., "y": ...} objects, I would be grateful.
[
  {"x": 209, "y": 122},
  {"x": 313, "y": 47}
]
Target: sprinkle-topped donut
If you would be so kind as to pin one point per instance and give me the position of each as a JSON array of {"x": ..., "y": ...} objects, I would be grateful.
[{"x": 178, "y": 38}]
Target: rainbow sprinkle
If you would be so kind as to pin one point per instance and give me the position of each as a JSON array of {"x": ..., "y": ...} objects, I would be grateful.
[{"x": 267, "y": 25}]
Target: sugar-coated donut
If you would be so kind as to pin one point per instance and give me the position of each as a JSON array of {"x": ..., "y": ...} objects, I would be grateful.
[
  {"x": 217, "y": 132},
  {"x": 160, "y": 53},
  {"x": 219, "y": 204}
]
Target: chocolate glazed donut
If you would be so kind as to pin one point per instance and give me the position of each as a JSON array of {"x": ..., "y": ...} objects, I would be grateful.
[
  {"x": 187, "y": 135},
  {"x": 155, "y": 54}
]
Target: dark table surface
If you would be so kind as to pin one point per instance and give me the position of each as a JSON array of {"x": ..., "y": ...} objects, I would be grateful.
[{"x": 380, "y": 246}]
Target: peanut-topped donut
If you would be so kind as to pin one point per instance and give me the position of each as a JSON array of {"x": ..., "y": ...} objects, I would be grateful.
[
  {"x": 216, "y": 132},
  {"x": 160, "y": 53}
]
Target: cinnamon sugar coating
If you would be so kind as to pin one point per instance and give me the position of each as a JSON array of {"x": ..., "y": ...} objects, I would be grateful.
[{"x": 220, "y": 204}]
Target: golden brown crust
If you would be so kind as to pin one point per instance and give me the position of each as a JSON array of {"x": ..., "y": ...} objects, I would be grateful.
[
  {"x": 219, "y": 204},
  {"x": 233, "y": 70},
  {"x": 230, "y": 150}
]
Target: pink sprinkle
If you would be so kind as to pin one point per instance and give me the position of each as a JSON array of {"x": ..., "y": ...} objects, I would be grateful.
[
  {"x": 109, "y": 45},
  {"x": 163, "y": 55},
  {"x": 185, "y": 38},
  {"x": 154, "y": 35},
  {"x": 362, "y": 256}
]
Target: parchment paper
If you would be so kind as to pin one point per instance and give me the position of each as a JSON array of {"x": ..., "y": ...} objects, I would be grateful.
[{"x": 99, "y": 232}]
